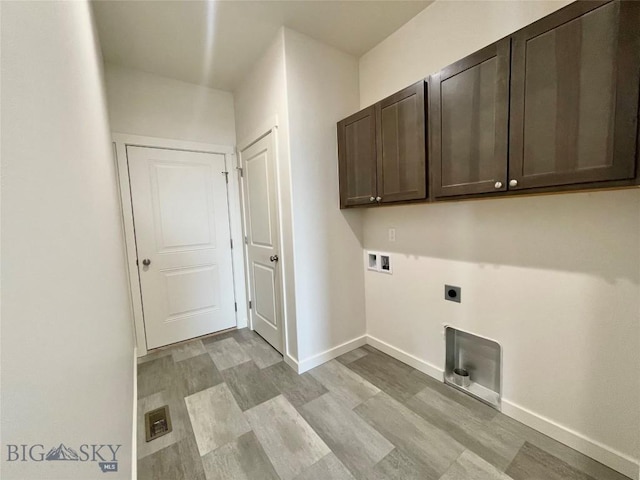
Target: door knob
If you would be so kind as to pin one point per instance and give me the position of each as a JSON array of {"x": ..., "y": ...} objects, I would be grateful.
[
  {"x": 378, "y": 199},
  {"x": 498, "y": 185},
  {"x": 273, "y": 258},
  {"x": 513, "y": 183},
  {"x": 146, "y": 262},
  {"x": 371, "y": 199}
]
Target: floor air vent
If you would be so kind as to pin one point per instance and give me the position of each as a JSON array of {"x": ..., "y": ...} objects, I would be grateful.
[{"x": 157, "y": 423}]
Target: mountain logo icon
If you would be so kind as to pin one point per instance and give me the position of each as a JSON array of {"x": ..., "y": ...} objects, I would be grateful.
[{"x": 62, "y": 453}]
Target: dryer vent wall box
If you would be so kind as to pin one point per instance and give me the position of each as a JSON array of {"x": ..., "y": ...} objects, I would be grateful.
[{"x": 379, "y": 262}]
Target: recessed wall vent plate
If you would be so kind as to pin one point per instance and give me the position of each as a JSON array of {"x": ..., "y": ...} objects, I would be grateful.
[
  {"x": 453, "y": 294},
  {"x": 157, "y": 423}
]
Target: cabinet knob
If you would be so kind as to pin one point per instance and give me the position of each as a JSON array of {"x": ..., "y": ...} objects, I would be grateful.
[
  {"x": 146, "y": 262},
  {"x": 372, "y": 199},
  {"x": 498, "y": 185},
  {"x": 378, "y": 199},
  {"x": 513, "y": 183}
]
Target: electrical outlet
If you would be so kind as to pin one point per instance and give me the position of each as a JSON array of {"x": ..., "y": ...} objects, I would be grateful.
[{"x": 392, "y": 234}]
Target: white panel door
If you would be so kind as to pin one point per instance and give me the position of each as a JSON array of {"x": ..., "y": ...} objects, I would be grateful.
[
  {"x": 259, "y": 185},
  {"x": 183, "y": 243}
]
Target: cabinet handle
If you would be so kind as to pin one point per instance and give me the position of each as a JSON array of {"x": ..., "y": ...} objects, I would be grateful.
[
  {"x": 513, "y": 183},
  {"x": 498, "y": 185},
  {"x": 378, "y": 199},
  {"x": 371, "y": 199}
]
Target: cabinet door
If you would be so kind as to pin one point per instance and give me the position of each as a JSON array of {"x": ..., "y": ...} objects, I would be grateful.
[
  {"x": 574, "y": 96},
  {"x": 357, "y": 158},
  {"x": 468, "y": 112},
  {"x": 401, "y": 145}
]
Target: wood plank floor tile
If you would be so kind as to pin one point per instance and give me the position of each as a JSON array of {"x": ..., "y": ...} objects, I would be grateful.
[
  {"x": 215, "y": 417},
  {"x": 400, "y": 466},
  {"x": 352, "y": 356},
  {"x": 567, "y": 454},
  {"x": 288, "y": 440},
  {"x": 197, "y": 374},
  {"x": 533, "y": 463},
  {"x": 241, "y": 459},
  {"x": 227, "y": 353},
  {"x": 358, "y": 445},
  {"x": 346, "y": 385},
  {"x": 298, "y": 389},
  {"x": 328, "y": 467},
  {"x": 263, "y": 354},
  {"x": 469, "y": 466},
  {"x": 388, "y": 374},
  {"x": 491, "y": 442},
  {"x": 430, "y": 446},
  {"x": 187, "y": 350},
  {"x": 190, "y": 458},
  {"x": 219, "y": 336},
  {"x": 479, "y": 409},
  {"x": 249, "y": 385},
  {"x": 154, "y": 355},
  {"x": 156, "y": 375},
  {"x": 165, "y": 463}
]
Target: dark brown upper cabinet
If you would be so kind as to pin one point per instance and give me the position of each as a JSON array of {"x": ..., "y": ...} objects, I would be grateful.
[
  {"x": 357, "y": 158},
  {"x": 574, "y": 96},
  {"x": 468, "y": 123},
  {"x": 382, "y": 152},
  {"x": 401, "y": 165}
]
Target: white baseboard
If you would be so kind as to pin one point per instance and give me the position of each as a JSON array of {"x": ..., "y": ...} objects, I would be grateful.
[
  {"x": 330, "y": 354},
  {"x": 134, "y": 429},
  {"x": 415, "y": 362},
  {"x": 292, "y": 362},
  {"x": 591, "y": 448}
]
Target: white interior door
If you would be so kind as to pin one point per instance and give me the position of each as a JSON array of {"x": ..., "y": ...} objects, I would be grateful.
[
  {"x": 183, "y": 243},
  {"x": 261, "y": 224}
]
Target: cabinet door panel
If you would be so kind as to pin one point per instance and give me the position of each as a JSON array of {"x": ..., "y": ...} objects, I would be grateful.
[
  {"x": 401, "y": 146},
  {"x": 574, "y": 96},
  {"x": 468, "y": 123},
  {"x": 357, "y": 158}
]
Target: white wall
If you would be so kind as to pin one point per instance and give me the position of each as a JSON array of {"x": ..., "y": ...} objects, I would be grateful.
[
  {"x": 322, "y": 88},
  {"x": 555, "y": 279},
  {"x": 146, "y": 104},
  {"x": 67, "y": 340},
  {"x": 261, "y": 101}
]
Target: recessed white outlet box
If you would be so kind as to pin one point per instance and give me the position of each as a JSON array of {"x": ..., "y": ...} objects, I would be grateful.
[
  {"x": 392, "y": 234},
  {"x": 385, "y": 263},
  {"x": 378, "y": 262},
  {"x": 373, "y": 260}
]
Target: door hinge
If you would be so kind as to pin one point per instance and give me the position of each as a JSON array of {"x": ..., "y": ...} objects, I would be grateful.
[
  {"x": 137, "y": 264},
  {"x": 246, "y": 240},
  {"x": 235, "y": 305},
  {"x": 249, "y": 304},
  {"x": 231, "y": 240},
  {"x": 226, "y": 176},
  {"x": 240, "y": 170}
]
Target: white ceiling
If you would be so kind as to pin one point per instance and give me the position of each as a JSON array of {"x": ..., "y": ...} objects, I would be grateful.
[{"x": 214, "y": 43}]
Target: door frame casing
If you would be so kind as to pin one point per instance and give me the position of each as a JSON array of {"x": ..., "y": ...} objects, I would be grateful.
[{"x": 121, "y": 141}]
